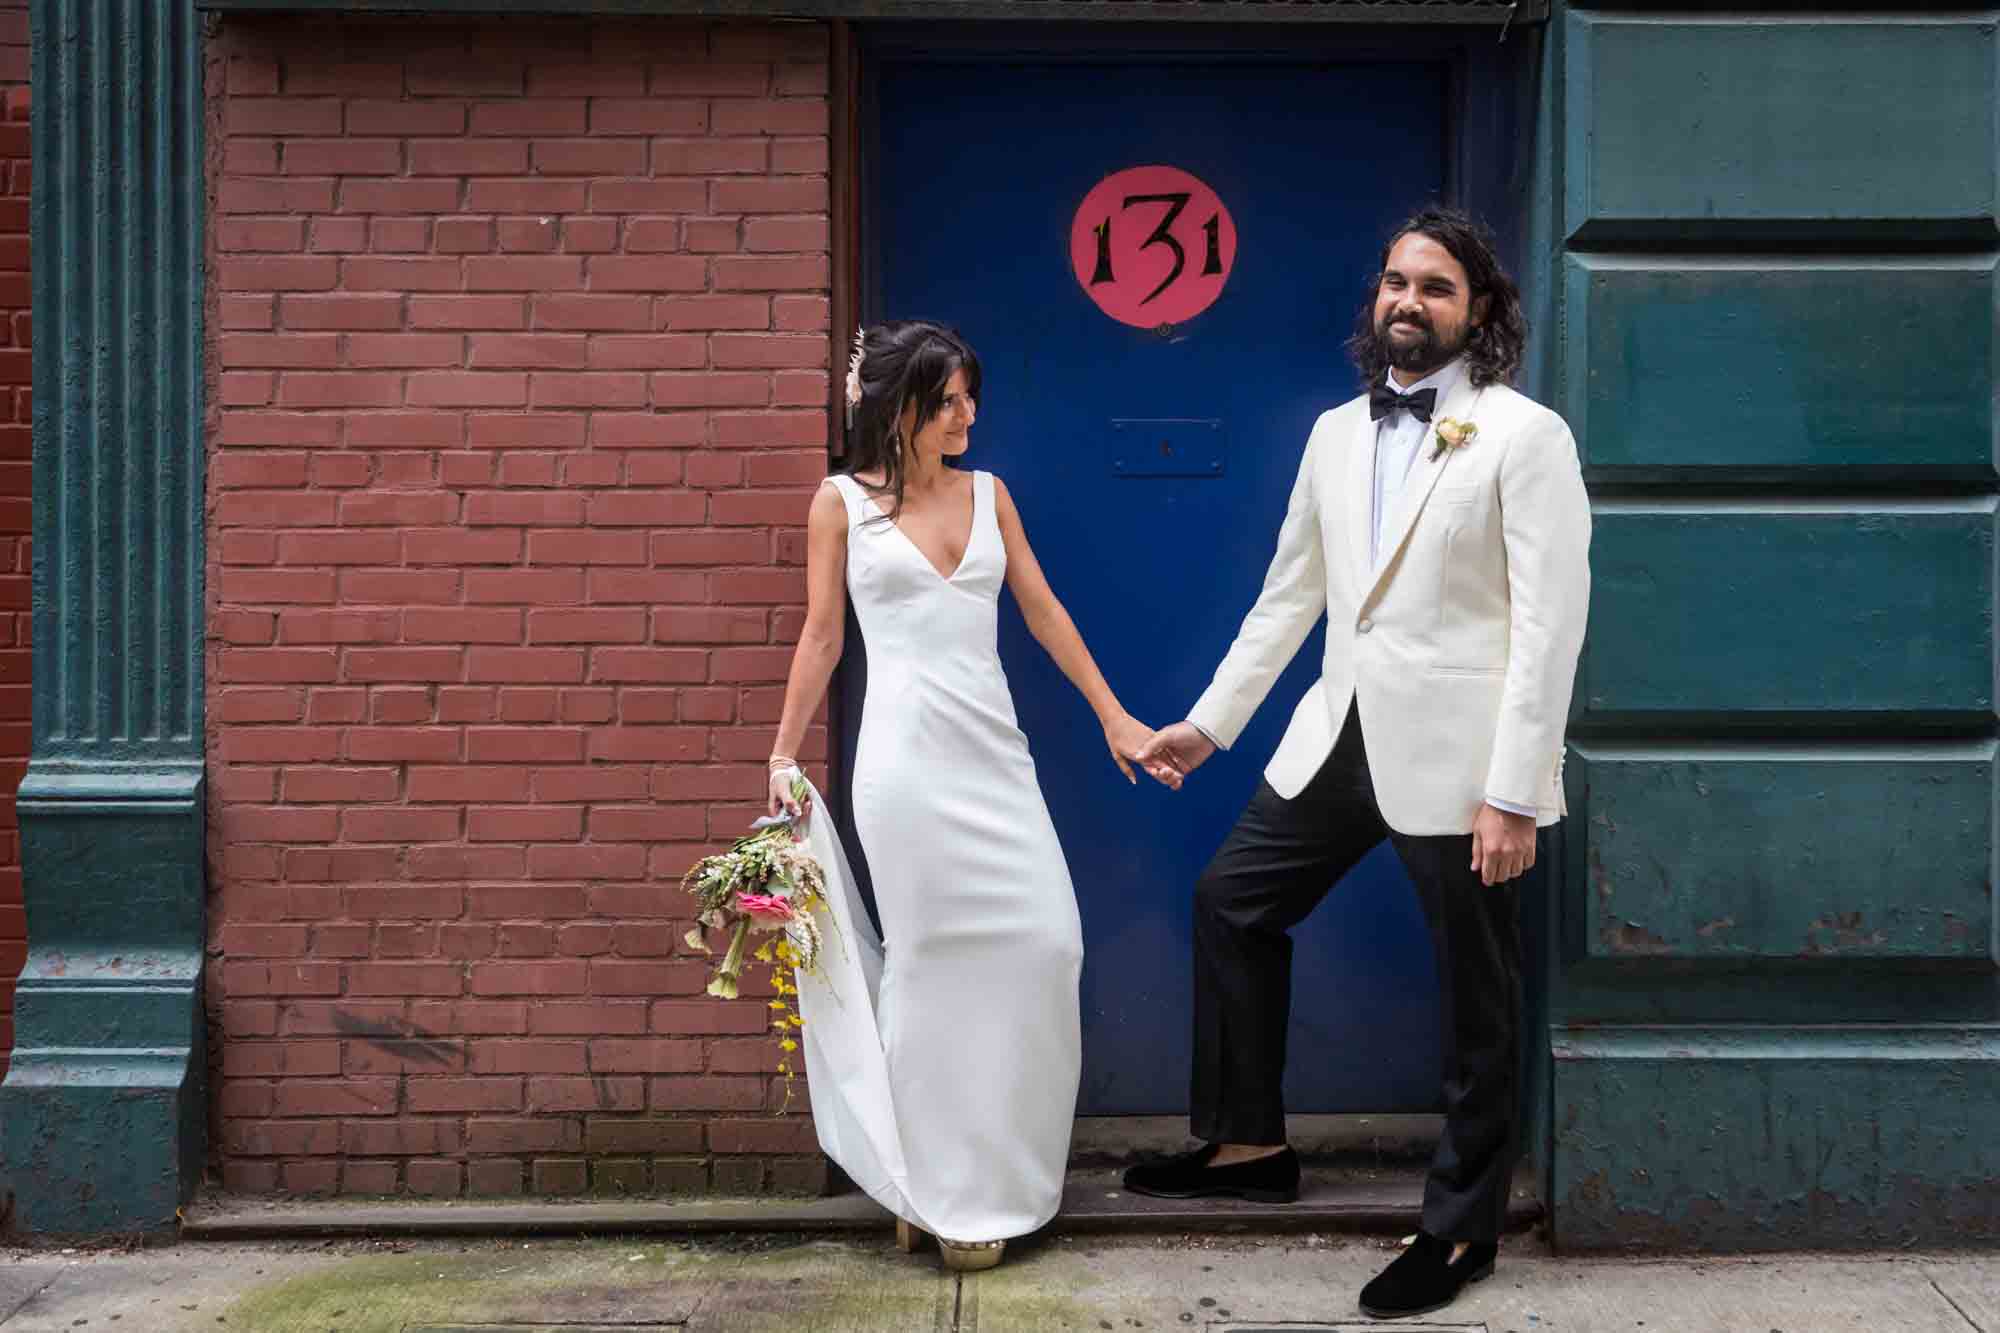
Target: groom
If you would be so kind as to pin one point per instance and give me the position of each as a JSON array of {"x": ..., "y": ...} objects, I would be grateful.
[{"x": 1439, "y": 522}]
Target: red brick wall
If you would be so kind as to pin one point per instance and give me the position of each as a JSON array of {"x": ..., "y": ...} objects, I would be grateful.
[
  {"x": 521, "y": 348},
  {"x": 15, "y": 487}
]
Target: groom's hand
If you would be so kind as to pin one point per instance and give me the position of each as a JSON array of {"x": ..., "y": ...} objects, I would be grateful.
[
  {"x": 1503, "y": 844},
  {"x": 1174, "y": 752}
]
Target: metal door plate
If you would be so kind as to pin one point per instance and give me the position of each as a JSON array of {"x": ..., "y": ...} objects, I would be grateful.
[{"x": 1166, "y": 447}]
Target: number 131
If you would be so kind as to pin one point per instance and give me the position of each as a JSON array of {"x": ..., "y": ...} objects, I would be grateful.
[{"x": 1176, "y": 203}]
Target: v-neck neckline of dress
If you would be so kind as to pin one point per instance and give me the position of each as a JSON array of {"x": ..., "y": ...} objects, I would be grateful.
[{"x": 965, "y": 552}]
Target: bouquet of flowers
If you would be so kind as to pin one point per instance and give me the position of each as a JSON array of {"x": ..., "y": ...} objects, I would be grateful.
[{"x": 765, "y": 884}]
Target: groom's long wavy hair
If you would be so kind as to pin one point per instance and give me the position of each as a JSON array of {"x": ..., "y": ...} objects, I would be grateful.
[
  {"x": 903, "y": 360},
  {"x": 1493, "y": 355}
]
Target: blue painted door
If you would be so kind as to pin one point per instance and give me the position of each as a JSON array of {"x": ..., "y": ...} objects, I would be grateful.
[{"x": 1156, "y": 532}]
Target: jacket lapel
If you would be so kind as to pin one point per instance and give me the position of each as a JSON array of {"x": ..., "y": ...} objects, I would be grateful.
[
  {"x": 1425, "y": 470},
  {"x": 1358, "y": 491}
]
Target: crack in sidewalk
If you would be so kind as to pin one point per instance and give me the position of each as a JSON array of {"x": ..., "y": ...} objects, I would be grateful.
[
  {"x": 29, "y": 1299},
  {"x": 1970, "y": 1322},
  {"x": 966, "y": 1319}
]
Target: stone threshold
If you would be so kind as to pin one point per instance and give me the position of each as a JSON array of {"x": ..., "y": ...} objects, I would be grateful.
[{"x": 1382, "y": 1200}]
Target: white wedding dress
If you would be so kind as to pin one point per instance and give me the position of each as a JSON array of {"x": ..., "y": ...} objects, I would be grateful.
[{"x": 943, "y": 1060}]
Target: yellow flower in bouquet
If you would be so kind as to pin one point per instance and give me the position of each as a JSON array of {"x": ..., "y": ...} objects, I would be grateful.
[{"x": 766, "y": 883}]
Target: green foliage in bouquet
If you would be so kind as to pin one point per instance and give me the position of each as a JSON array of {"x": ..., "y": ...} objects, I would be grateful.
[{"x": 766, "y": 883}]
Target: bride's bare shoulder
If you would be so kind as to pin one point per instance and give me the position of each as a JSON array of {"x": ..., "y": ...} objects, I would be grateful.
[
  {"x": 1003, "y": 499},
  {"x": 828, "y": 507}
]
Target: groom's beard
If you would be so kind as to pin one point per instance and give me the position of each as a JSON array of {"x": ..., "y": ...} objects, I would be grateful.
[{"x": 1419, "y": 356}]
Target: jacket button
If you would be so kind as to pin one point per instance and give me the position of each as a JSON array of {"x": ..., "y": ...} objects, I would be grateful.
[{"x": 1365, "y": 625}]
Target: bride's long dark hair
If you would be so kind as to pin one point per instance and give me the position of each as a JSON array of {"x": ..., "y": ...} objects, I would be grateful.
[{"x": 903, "y": 361}]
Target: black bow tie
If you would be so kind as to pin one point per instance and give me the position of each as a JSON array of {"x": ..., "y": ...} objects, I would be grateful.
[{"x": 1382, "y": 400}]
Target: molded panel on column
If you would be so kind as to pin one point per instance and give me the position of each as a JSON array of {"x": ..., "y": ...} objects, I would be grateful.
[
  {"x": 102, "y": 1111},
  {"x": 1773, "y": 369},
  {"x": 1728, "y": 126},
  {"x": 1769, "y": 1138},
  {"x": 1730, "y": 854},
  {"x": 1735, "y": 615}
]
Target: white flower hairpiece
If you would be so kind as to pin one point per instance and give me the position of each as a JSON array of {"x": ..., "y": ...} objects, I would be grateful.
[{"x": 854, "y": 372}]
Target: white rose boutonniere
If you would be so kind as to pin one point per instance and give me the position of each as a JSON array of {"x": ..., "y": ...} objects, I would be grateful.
[{"x": 1453, "y": 434}]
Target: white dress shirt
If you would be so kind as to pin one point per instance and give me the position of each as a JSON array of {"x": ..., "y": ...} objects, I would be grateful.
[{"x": 1398, "y": 436}]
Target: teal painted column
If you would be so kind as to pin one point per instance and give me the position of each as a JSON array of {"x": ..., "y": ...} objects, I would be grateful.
[
  {"x": 102, "y": 1113},
  {"x": 1775, "y": 1010}
]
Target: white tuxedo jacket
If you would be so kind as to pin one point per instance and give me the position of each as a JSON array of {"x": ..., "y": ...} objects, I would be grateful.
[{"x": 1459, "y": 642}]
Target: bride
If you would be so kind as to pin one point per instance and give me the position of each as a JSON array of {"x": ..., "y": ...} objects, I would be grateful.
[{"x": 943, "y": 1061}]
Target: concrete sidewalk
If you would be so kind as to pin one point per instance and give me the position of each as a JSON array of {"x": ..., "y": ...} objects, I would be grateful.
[{"x": 791, "y": 1282}]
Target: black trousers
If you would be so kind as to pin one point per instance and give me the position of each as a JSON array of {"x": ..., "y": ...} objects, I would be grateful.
[{"x": 1279, "y": 861}]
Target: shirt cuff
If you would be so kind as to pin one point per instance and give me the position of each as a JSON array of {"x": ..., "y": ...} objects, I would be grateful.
[
  {"x": 1206, "y": 734},
  {"x": 1512, "y": 808}
]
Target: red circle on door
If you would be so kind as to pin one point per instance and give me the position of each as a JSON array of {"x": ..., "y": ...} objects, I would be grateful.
[{"x": 1152, "y": 246}]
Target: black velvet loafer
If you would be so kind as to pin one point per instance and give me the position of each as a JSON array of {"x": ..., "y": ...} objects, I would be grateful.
[
  {"x": 1424, "y": 1278},
  {"x": 1188, "y": 1175}
]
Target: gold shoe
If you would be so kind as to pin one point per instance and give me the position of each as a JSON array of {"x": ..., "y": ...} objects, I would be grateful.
[
  {"x": 909, "y": 1237},
  {"x": 971, "y": 1256}
]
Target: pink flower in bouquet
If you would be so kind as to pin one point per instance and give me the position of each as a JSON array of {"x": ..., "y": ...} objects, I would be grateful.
[{"x": 767, "y": 909}]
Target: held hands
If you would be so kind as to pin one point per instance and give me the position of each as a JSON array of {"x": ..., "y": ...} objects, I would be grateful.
[
  {"x": 1174, "y": 752},
  {"x": 1503, "y": 844},
  {"x": 1126, "y": 736},
  {"x": 1130, "y": 741}
]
